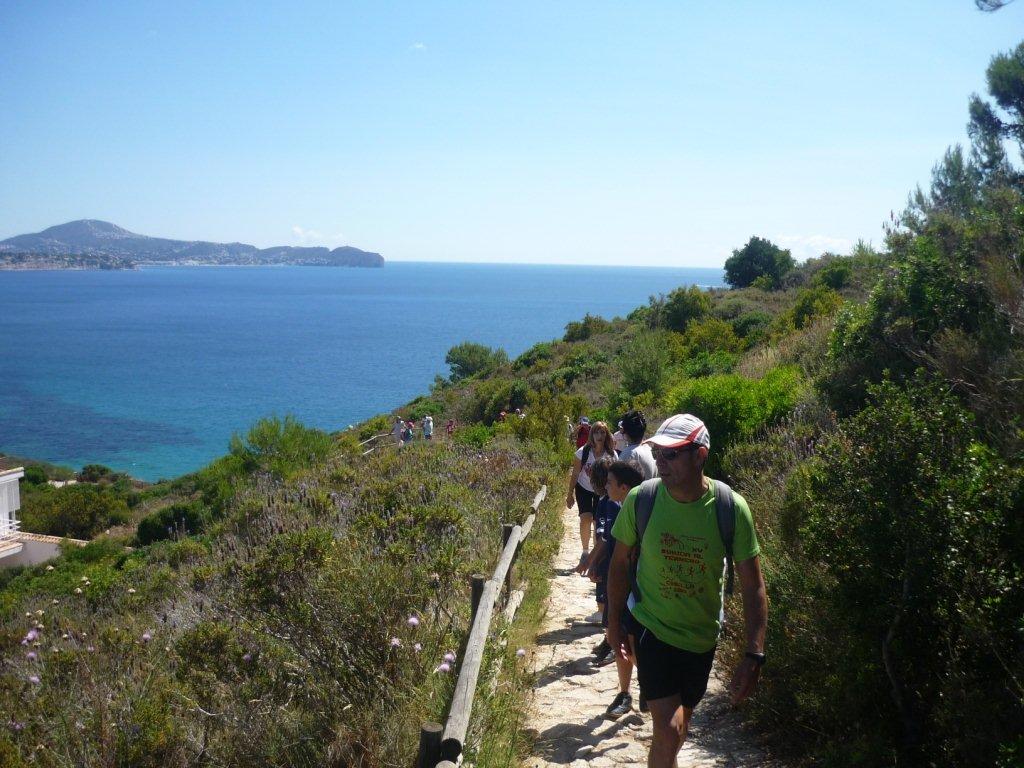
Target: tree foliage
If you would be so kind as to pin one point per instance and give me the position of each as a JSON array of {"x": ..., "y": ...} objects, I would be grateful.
[
  {"x": 469, "y": 359},
  {"x": 759, "y": 258}
]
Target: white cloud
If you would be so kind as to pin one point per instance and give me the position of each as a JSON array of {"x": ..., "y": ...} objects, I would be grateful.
[
  {"x": 810, "y": 246},
  {"x": 418, "y": 47},
  {"x": 315, "y": 237}
]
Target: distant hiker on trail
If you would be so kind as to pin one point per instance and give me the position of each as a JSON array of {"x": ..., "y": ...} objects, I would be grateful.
[
  {"x": 599, "y": 444},
  {"x": 449, "y": 428},
  {"x": 634, "y": 427},
  {"x": 397, "y": 429},
  {"x": 428, "y": 427},
  {"x": 623, "y": 476},
  {"x": 408, "y": 432},
  {"x": 687, "y": 524},
  {"x": 582, "y": 432}
]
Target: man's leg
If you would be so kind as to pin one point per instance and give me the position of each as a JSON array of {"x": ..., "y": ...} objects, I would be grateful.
[
  {"x": 671, "y": 721},
  {"x": 625, "y": 671}
]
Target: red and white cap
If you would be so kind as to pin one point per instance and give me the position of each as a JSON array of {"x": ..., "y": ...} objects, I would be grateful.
[{"x": 679, "y": 430}]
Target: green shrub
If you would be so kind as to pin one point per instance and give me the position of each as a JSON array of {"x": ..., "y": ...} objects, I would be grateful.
[
  {"x": 709, "y": 363},
  {"x": 93, "y": 473},
  {"x": 684, "y": 305},
  {"x": 915, "y": 530},
  {"x": 281, "y": 447},
  {"x": 173, "y": 521},
  {"x": 379, "y": 424},
  {"x": 475, "y": 435},
  {"x": 423, "y": 406},
  {"x": 644, "y": 363},
  {"x": 543, "y": 350},
  {"x": 734, "y": 407},
  {"x": 583, "y": 329},
  {"x": 35, "y": 475},
  {"x": 711, "y": 335},
  {"x": 836, "y": 274},
  {"x": 470, "y": 359},
  {"x": 760, "y": 263},
  {"x": 752, "y": 326},
  {"x": 812, "y": 303},
  {"x": 76, "y": 511}
]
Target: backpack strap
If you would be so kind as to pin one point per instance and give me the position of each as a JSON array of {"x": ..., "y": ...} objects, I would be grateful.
[
  {"x": 725, "y": 511},
  {"x": 586, "y": 455},
  {"x": 643, "y": 506}
]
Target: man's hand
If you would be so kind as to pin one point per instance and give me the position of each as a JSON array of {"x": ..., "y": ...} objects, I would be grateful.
[
  {"x": 621, "y": 642},
  {"x": 744, "y": 680},
  {"x": 570, "y": 500}
]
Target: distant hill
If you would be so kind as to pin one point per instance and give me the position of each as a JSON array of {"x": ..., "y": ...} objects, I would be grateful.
[{"x": 93, "y": 244}]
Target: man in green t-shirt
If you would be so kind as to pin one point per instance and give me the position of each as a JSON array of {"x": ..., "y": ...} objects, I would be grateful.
[{"x": 672, "y": 630}]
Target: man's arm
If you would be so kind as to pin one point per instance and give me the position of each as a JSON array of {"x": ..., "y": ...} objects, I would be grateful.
[
  {"x": 755, "y": 619},
  {"x": 618, "y": 591}
]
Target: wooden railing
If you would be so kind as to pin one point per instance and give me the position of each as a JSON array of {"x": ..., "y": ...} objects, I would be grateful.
[
  {"x": 441, "y": 746},
  {"x": 371, "y": 440}
]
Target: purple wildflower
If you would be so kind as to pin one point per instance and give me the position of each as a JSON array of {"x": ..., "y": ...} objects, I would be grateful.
[
  {"x": 413, "y": 622},
  {"x": 418, "y": 647},
  {"x": 444, "y": 666},
  {"x": 247, "y": 657},
  {"x": 521, "y": 652},
  {"x": 146, "y": 637},
  {"x": 395, "y": 642},
  {"x": 31, "y": 656},
  {"x": 31, "y": 635},
  {"x": 34, "y": 679},
  {"x": 449, "y": 657}
]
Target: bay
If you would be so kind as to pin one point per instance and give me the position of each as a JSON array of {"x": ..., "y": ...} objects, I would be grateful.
[{"x": 151, "y": 371}]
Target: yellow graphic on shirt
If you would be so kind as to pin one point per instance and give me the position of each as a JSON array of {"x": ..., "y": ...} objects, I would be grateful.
[{"x": 685, "y": 571}]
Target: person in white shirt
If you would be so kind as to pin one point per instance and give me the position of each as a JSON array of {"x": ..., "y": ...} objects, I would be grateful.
[{"x": 634, "y": 426}]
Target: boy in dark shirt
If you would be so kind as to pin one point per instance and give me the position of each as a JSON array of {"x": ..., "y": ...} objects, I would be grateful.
[{"x": 619, "y": 478}]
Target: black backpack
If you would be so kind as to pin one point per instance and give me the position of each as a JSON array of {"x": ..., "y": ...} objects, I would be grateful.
[{"x": 725, "y": 510}]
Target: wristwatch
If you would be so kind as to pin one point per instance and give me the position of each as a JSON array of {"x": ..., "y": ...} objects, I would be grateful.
[{"x": 760, "y": 658}]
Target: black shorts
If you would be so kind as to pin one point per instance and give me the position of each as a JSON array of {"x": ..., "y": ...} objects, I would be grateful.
[
  {"x": 664, "y": 670},
  {"x": 586, "y": 501}
]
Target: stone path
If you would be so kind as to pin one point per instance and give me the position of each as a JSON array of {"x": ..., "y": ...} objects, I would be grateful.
[{"x": 571, "y": 695}]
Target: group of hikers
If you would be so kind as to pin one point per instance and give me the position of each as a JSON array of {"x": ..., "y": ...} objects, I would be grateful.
[
  {"x": 661, "y": 604},
  {"x": 404, "y": 431}
]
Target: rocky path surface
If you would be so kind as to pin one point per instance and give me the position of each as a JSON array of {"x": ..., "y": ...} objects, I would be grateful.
[{"x": 570, "y": 695}]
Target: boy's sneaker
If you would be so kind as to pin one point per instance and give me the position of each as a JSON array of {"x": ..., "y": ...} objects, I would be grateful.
[
  {"x": 601, "y": 648},
  {"x": 622, "y": 704},
  {"x": 604, "y": 659}
]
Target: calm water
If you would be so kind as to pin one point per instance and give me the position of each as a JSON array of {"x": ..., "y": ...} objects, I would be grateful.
[{"x": 151, "y": 371}]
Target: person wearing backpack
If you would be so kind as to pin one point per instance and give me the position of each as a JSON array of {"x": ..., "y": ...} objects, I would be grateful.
[
  {"x": 599, "y": 444},
  {"x": 673, "y": 534}
]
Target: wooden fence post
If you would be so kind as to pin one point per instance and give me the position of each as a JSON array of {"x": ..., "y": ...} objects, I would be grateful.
[
  {"x": 477, "y": 581},
  {"x": 430, "y": 745},
  {"x": 506, "y": 534}
]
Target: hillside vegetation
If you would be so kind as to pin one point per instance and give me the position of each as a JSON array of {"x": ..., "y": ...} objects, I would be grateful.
[
  {"x": 268, "y": 623},
  {"x": 868, "y": 405}
]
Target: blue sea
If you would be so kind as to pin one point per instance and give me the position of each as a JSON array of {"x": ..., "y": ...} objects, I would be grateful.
[{"x": 152, "y": 371}]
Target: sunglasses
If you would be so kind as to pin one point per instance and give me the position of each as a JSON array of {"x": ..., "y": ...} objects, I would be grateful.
[{"x": 668, "y": 454}]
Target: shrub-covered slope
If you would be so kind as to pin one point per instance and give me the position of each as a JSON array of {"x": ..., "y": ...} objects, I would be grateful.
[{"x": 266, "y": 640}]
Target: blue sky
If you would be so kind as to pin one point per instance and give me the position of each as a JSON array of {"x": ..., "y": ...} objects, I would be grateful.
[{"x": 660, "y": 133}]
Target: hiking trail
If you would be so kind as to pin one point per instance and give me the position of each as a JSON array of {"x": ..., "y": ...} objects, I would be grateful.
[{"x": 570, "y": 695}]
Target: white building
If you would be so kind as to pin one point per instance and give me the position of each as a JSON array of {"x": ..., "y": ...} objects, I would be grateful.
[
  {"x": 19, "y": 547},
  {"x": 10, "y": 503}
]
